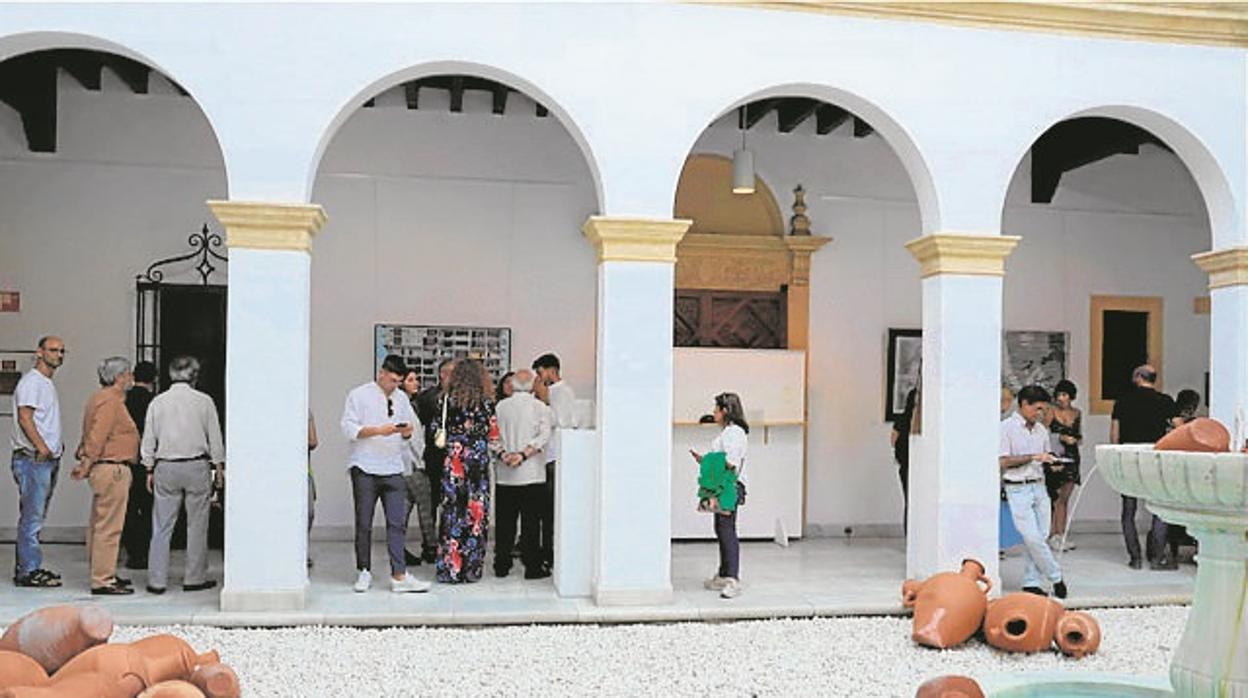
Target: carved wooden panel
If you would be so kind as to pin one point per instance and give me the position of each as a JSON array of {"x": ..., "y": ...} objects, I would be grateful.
[{"x": 736, "y": 319}]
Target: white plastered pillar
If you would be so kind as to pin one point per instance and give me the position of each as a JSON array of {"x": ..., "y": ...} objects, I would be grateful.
[
  {"x": 267, "y": 334},
  {"x": 1228, "y": 337},
  {"x": 632, "y": 522},
  {"x": 954, "y": 477}
]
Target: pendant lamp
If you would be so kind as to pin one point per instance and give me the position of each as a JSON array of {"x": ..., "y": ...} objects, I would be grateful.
[{"x": 742, "y": 161}]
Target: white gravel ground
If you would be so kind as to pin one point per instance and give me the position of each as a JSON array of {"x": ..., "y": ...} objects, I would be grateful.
[{"x": 828, "y": 657}]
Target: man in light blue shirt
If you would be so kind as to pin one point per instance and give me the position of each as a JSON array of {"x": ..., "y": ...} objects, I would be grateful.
[{"x": 379, "y": 423}]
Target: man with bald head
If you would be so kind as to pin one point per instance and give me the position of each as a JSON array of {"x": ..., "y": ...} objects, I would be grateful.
[
  {"x": 1141, "y": 416},
  {"x": 37, "y": 446},
  {"x": 524, "y": 426}
]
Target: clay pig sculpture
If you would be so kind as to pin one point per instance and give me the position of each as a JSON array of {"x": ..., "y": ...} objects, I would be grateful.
[
  {"x": 948, "y": 607},
  {"x": 170, "y": 658},
  {"x": 1200, "y": 434},
  {"x": 172, "y": 689},
  {"x": 950, "y": 686},
  {"x": 80, "y": 685},
  {"x": 55, "y": 634},
  {"x": 16, "y": 669},
  {"x": 1023, "y": 622}
]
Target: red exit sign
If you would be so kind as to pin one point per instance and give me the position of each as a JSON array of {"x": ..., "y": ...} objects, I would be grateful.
[{"x": 10, "y": 302}]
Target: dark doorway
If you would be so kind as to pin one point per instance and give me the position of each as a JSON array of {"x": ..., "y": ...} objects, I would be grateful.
[
  {"x": 192, "y": 322},
  {"x": 1125, "y": 347}
]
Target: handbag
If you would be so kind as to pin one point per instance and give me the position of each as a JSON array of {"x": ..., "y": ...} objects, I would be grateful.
[{"x": 439, "y": 437}]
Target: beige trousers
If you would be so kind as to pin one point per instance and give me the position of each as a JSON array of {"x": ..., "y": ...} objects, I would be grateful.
[{"x": 110, "y": 489}]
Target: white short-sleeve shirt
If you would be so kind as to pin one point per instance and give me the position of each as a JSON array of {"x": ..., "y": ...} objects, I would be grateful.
[
  {"x": 1018, "y": 440},
  {"x": 37, "y": 390},
  {"x": 734, "y": 442}
]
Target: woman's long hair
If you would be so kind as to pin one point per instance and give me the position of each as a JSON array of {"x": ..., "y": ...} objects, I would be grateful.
[
  {"x": 734, "y": 413},
  {"x": 468, "y": 381},
  {"x": 498, "y": 392}
]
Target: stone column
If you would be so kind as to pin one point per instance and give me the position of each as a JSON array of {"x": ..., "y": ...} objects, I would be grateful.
[
  {"x": 1228, "y": 337},
  {"x": 267, "y": 329},
  {"x": 633, "y": 518},
  {"x": 954, "y": 478}
]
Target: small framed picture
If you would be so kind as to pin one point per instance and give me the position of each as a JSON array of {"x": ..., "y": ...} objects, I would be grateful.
[{"x": 903, "y": 370}]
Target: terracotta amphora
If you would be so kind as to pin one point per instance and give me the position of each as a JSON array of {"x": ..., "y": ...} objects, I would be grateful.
[
  {"x": 1022, "y": 622},
  {"x": 55, "y": 634},
  {"x": 1078, "y": 634},
  {"x": 948, "y": 607},
  {"x": 16, "y": 669},
  {"x": 1200, "y": 434},
  {"x": 170, "y": 657},
  {"x": 217, "y": 681},
  {"x": 172, "y": 689},
  {"x": 951, "y": 686},
  {"x": 118, "y": 663},
  {"x": 80, "y": 685}
]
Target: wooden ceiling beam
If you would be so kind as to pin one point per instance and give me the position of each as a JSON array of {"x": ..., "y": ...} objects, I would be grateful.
[
  {"x": 542, "y": 112},
  {"x": 133, "y": 73},
  {"x": 861, "y": 128},
  {"x": 457, "y": 94},
  {"x": 755, "y": 111},
  {"x": 500, "y": 98},
  {"x": 83, "y": 66},
  {"x": 795, "y": 111},
  {"x": 1075, "y": 143},
  {"x": 411, "y": 93},
  {"x": 28, "y": 85},
  {"x": 828, "y": 118}
]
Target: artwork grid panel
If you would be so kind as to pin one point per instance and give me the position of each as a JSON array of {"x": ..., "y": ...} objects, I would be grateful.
[{"x": 423, "y": 347}]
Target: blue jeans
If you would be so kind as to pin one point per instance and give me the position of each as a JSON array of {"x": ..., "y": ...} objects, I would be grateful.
[
  {"x": 1030, "y": 510},
  {"x": 35, "y": 482}
]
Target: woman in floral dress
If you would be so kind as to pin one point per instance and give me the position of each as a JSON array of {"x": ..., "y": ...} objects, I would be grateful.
[{"x": 471, "y": 431}]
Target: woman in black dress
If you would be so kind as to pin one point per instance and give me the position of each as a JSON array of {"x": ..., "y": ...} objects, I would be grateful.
[{"x": 1065, "y": 423}]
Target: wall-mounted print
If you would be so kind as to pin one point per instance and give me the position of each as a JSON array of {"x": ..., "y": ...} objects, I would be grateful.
[
  {"x": 905, "y": 359},
  {"x": 425, "y": 346},
  {"x": 13, "y": 363},
  {"x": 1034, "y": 358}
]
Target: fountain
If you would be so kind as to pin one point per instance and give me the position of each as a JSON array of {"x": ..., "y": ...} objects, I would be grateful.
[{"x": 1207, "y": 493}]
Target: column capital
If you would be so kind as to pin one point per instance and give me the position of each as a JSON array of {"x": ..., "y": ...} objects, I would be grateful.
[
  {"x": 268, "y": 226},
  {"x": 626, "y": 239},
  {"x": 802, "y": 247},
  {"x": 955, "y": 253},
  {"x": 1228, "y": 267}
]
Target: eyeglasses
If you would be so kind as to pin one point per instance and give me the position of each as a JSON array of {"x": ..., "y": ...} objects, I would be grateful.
[
  {"x": 55, "y": 350},
  {"x": 389, "y": 407}
]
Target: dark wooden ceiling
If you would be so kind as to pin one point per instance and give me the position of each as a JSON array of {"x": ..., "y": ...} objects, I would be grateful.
[
  {"x": 28, "y": 85},
  {"x": 456, "y": 86}
]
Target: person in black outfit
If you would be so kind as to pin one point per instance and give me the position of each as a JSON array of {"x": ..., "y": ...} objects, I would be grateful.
[
  {"x": 429, "y": 412},
  {"x": 901, "y": 453},
  {"x": 1142, "y": 416},
  {"x": 136, "y": 532}
]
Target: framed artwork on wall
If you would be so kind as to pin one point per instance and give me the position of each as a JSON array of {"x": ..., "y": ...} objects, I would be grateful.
[
  {"x": 1027, "y": 358},
  {"x": 13, "y": 363},
  {"x": 1034, "y": 358},
  {"x": 902, "y": 372},
  {"x": 425, "y": 346}
]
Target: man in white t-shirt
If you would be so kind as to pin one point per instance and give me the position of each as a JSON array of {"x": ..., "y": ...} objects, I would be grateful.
[
  {"x": 1024, "y": 452},
  {"x": 37, "y": 447},
  {"x": 562, "y": 400}
]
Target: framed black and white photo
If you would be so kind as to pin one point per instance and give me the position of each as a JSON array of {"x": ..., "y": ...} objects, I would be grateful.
[
  {"x": 903, "y": 370},
  {"x": 1033, "y": 358}
]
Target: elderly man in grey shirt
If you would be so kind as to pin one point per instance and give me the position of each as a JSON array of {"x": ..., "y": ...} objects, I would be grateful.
[
  {"x": 524, "y": 426},
  {"x": 182, "y": 448}
]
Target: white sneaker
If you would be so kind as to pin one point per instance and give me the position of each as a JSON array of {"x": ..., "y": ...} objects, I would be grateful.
[
  {"x": 408, "y": 585},
  {"x": 715, "y": 583},
  {"x": 731, "y": 590},
  {"x": 363, "y": 582}
]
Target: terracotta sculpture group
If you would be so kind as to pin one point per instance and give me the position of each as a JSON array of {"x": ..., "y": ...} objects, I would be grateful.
[
  {"x": 951, "y": 606},
  {"x": 63, "y": 652}
]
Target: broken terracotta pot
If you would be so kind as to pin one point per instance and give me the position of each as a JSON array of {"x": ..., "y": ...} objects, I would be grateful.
[
  {"x": 16, "y": 669},
  {"x": 216, "y": 681},
  {"x": 118, "y": 664},
  {"x": 55, "y": 634},
  {"x": 948, "y": 607},
  {"x": 172, "y": 689},
  {"x": 169, "y": 658},
  {"x": 1022, "y": 622},
  {"x": 79, "y": 685},
  {"x": 1200, "y": 434},
  {"x": 1078, "y": 634},
  {"x": 951, "y": 686}
]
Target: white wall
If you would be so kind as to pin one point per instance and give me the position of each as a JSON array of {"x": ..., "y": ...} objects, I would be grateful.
[
  {"x": 1121, "y": 226},
  {"x": 126, "y": 187},
  {"x": 446, "y": 219}
]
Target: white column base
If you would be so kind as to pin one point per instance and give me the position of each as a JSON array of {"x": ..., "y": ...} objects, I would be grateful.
[
  {"x": 249, "y": 600},
  {"x": 574, "y": 509},
  {"x": 639, "y": 596}
]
